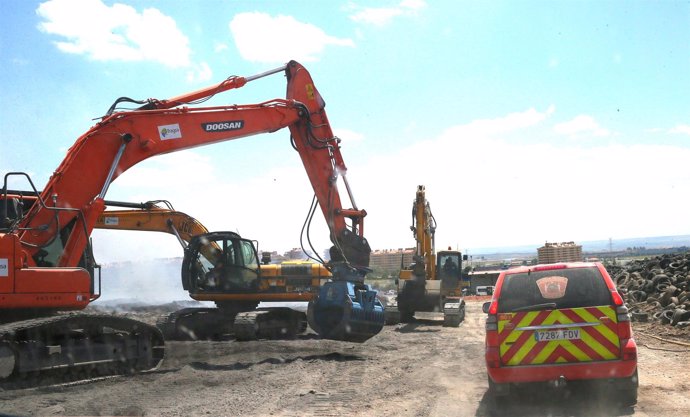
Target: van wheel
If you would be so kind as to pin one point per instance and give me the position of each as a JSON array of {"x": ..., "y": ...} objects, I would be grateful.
[
  {"x": 497, "y": 389},
  {"x": 626, "y": 390},
  {"x": 627, "y": 397}
]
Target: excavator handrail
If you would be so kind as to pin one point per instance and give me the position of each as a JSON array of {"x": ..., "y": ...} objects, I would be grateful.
[{"x": 15, "y": 225}]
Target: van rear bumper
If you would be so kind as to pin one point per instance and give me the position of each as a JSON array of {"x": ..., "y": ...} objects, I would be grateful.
[{"x": 571, "y": 371}]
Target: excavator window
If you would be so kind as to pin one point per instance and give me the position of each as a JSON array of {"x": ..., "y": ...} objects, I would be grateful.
[
  {"x": 249, "y": 256},
  {"x": 450, "y": 265},
  {"x": 449, "y": 268},
  {"x": 221, "y": 262},
  {"x": 49, "y": 254}
]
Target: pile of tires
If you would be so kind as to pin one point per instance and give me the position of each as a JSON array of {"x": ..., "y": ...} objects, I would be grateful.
[{"x": 657, "y": 288}]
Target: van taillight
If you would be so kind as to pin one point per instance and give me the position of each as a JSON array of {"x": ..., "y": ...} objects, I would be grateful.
[
  {"x": 624, "y": 328},
  {"x": 493, "y": 308},
  {"x": 491, "y": 330},
  {"x": 491, "y": 323},
  {"x": 628, "y": 350},
  {"x": 617, "y": 299},
  {"x": 492, "y": 353},
  {"x": 622, "y": 313}
]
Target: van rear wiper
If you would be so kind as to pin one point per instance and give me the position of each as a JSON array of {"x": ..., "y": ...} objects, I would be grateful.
[{"x": 535, "y": 307}]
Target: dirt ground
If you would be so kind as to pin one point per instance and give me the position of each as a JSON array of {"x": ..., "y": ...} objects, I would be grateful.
[{"x": 416, "y": 369}]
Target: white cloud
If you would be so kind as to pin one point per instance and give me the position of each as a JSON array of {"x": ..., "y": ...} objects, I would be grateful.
[
  {"x": 261, "y": 37},
  {"x": 19, "y": 61},
  {"x": 269, "y": 207},
  {"x": 508, "y": 123},
  {"x": 166, "y": 172},
  {"x": 118, "y": 32},
  {"x": 200, "y": 72},
  {"x": 347, "y": 135},
  {"x": 485, "y": 188},
  {"x": 220, "y": 47},
  {"x": 683, "y": 129},
  {"x": 381, "y": 16},
  {"x": 581, "y": 125}
]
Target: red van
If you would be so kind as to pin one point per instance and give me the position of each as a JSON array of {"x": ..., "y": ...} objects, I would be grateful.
[{"x": 557, "y": 323}]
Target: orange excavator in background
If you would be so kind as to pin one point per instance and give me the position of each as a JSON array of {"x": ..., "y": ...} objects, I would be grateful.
[
  {"x": 434, "y": 280},
  {"x": 46, "y": 258},
  {"x": 236, "y": 306}
]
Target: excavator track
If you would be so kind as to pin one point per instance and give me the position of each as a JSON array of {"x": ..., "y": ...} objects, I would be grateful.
[
  {"x": 77, "y": 346},
  {"x": 196, "y": 323},
  {"x": 392, "y": 314},
  {"x": 453, "y": 313},
  {"x": 271, "y": 323}
]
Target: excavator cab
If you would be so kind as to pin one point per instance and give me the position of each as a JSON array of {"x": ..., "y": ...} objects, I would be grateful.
[
  {"x": 449, "y": 267},
  {"x": 220, "y": 262}
]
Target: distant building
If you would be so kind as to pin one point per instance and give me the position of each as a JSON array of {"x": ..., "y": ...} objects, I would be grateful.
[
  {"x": 296, "y": 253},
  {"x": 559, "y": 252},
  {"x": 293, "y": 254},
  {"x": 482, "y": 278},
  {"x": 391, "y": 259}
]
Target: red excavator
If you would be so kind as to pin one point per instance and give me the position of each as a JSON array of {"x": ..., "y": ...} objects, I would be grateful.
[{"x": 46, "y": 258}]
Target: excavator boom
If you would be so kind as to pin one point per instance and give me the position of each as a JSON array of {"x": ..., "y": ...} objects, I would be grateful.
[
  {"x": 46, "y": 252},
  {"x": 121, "y": 140}
]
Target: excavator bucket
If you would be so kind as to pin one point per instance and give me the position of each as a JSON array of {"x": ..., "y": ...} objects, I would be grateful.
[{"x": 347, "y": 311}]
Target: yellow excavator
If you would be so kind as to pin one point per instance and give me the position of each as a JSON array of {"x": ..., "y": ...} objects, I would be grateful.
[
  {"x": 434, "y": 280},
  {"x": 220, "y": 267}
]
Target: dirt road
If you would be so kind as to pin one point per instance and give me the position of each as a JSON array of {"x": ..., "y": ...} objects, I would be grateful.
[{"x": 418, "y": 369}]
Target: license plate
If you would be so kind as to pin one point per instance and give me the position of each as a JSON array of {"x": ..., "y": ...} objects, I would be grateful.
[{"x": 564, "y": 334}]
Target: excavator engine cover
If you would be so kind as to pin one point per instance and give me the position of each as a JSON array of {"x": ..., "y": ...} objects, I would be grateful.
[{"x": 346, "y": 311}]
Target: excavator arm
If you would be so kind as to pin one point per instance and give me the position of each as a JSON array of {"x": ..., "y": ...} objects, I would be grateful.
[
  {"x": 424, "y": 230},
  {"x": 151, "y": 217},
  {"x": 122, "y": 139},
  {"x": 55, "y": 231}
]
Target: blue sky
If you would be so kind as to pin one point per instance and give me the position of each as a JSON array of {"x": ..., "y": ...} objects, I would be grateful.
[{"x": 527, "y": 121}]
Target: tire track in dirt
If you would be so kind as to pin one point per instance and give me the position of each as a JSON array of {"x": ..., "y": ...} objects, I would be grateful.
[{"x": 413, "y": 369}]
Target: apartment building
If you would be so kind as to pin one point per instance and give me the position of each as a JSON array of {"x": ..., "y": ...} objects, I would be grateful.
[
  {"x": 390, "y": 259},
  {"x": 559, "y": 252}
]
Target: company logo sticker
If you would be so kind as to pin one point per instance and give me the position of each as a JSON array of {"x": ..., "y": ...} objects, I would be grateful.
[
  {"x": 310, "y": 91},
  {"x": 111, "y": 221},
  {"x": 223, "y": 126},
  {"x": 552, "y": 287},
  {"x": 169, "y": 132},
  {"x": 4, "y": 267}
]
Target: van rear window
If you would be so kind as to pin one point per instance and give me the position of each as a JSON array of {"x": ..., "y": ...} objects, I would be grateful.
[{"x": 566, "y": 288}]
